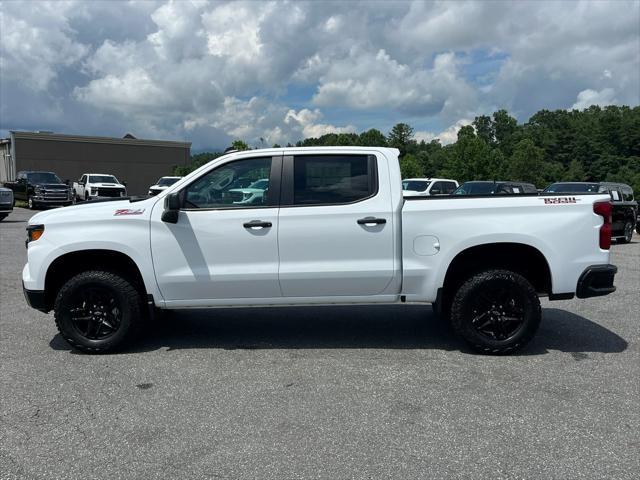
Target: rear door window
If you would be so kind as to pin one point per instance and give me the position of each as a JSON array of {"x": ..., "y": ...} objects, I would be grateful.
[{"x": 333, "y": 179}]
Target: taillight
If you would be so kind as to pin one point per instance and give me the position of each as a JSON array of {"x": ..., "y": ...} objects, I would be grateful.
[{"x": 604, "y": 209}]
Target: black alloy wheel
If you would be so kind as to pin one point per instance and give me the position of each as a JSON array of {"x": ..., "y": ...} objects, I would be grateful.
[
  {"x": 95, "y": 313},
  {"x": 99, "y": 311},
  {"x": 496, "y": 311}
]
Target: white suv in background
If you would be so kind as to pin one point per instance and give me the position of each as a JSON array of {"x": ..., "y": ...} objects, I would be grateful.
[
  {"x": 424, "y": 187},
  {"x": 162, "y": 184}
]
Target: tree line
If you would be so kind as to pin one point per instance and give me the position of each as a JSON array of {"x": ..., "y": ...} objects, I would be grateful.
[{"x": 595, "y": 144}]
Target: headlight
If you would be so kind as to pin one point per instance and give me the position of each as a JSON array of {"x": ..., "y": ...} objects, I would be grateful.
[{"x": 34, "y": 232}]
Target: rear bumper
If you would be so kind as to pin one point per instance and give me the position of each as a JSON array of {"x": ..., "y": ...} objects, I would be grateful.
[
  {"x": 35, "y": 299},
  {"x": 596, "y": 280}
]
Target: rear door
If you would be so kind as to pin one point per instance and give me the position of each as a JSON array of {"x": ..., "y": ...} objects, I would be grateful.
[{"x": 335, "y": 233}]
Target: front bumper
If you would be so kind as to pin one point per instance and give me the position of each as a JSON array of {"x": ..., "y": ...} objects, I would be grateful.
[
  {"x": 596, "y": 280},
  {"x": 36, "y": 299}
]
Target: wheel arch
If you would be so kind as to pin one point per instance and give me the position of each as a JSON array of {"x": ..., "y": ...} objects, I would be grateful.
[
  {"x": 66, "y": 266},
  {"x": 520, "y": 258}
]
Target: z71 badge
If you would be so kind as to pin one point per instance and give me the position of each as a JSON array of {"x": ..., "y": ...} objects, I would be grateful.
[
  {"x": 556, "y": 200},
  {"x": 128, "y": 211}
]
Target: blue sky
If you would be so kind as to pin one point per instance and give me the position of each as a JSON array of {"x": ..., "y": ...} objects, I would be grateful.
[{"x": 210, "y": 72}]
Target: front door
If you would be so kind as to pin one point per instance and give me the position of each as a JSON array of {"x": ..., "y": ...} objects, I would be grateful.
[
  {"x": 224, "y": 245},
  {"x": 335, "y": 226}
]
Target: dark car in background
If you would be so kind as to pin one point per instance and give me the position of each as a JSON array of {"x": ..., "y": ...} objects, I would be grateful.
[
  {"x": 625, "y": 207},
  {"x": 489, "y": 187},
  {"x": 40, "y": 189}
]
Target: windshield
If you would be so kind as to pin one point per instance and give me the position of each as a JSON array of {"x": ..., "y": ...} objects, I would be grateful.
[
  {"x": 102, "y": 179},
  {"x": 167, "y": 181},
  {"x": 572, "y": 188},
  {"x": 43, "y": 177},
  {"x": 415, "y": 185},
  {"x": 475, "y": 188}
]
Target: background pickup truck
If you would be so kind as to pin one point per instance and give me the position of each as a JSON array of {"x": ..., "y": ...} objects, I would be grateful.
[
  {"x": 332, "y": 228},
  {"x": 40, "y": 189},
  {"x": 97, "y": 185},
  {"x": 6, "y": 202}
]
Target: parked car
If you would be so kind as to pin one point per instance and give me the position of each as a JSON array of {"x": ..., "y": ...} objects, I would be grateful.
[
  {"x": 40, "y": 189},
  {"x": 6, "y": 202},
  {"x": 495, "y": 188},
  {"x": 162, "y": 184},
  {"x": 625, "y": 207},
  {"x": 98, "y": 185},
  {"x": 251, "y": 194},
  {"x": 423, "y": 187},
  {"x": 333, "y": 228}
]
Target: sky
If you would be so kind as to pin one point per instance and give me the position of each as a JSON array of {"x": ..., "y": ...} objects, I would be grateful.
[{"x": 278, "y": 72}]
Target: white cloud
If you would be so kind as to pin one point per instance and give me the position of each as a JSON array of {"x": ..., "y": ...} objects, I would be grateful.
[
  {"x": 368, "y": 81},
  {"x": 217, "y": 70},
  {"x": 589, "y": 97},
  {"x": 35, "y": 44},
  {"x": 447, "y": 136}
]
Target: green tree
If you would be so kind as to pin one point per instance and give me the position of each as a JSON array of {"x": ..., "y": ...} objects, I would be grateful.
[
  {"x": 239, "y": 145},
  {"x": 526, "y": 163},
  {"x": 372, "y": 138},
  {"x": 484, "y": 128},
  {"x": 504, "y": 126},
  {"x": 410, "y": 167},
  {"x": 401, "y": 137},
  {"x": 575, "y": 172}
]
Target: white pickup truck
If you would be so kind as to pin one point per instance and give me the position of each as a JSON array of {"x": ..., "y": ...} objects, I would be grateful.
[
  {"x": 331, "y": 228},
  {"x": 98, "y": 185}
]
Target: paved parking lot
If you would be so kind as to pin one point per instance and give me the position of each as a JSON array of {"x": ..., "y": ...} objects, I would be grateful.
[{"x": 330, "y": 392}]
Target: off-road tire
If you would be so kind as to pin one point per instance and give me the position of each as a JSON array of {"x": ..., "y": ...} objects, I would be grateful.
[
  {"x": 3, "y": 216},
  {"x": 128, "y": 298},
  {"x": 483, "y": 285}
]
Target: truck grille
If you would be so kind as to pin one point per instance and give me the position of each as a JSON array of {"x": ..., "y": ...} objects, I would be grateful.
[
  {"x": 55, "y": 193},
  {"x": 109, "y": 191},
  {"x": 6, "y": 197}
]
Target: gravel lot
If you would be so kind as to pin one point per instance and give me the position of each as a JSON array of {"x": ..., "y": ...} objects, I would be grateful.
[{"x": 349, "y": 392}]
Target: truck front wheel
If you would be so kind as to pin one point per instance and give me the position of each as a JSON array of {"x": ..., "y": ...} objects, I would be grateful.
[
  {"x": 496, "y": 312},
  {"x": 98, "y": 311}
]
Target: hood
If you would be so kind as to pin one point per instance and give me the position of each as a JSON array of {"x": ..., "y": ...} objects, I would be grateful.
[
  {"x": 107, "y": 185},
  {"x": 92, "y": 211}
]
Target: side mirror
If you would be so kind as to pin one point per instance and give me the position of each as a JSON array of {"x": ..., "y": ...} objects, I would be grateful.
[{"x": 171, "y": 208}]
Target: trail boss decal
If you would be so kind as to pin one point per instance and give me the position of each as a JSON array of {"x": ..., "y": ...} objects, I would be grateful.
[
  {"x": 556, "y": 200},
  {"x": 128, "y": 211}
]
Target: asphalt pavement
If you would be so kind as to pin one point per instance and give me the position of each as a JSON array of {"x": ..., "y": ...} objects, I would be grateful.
[{"x": 321, "y": 392}]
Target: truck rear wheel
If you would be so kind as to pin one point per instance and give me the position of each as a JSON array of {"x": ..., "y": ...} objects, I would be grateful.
[
  {"x": 628, "y": 232},
  {"x": 496, "y": 312},
  {"x": 98, "y": 311}
]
